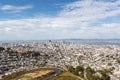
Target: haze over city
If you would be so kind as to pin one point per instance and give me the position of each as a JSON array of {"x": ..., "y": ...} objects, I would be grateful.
[{"x": 59, "y": 19}]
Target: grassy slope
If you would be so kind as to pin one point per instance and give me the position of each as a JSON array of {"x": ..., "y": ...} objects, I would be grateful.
[
  {"x": 67, "y": 76},
  {"x": 30, "y": 76}
]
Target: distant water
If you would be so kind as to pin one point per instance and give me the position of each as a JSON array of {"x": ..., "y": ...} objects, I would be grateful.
[
  {"x": 95, "y": 41},
  {"x": 79, "y": 41}
]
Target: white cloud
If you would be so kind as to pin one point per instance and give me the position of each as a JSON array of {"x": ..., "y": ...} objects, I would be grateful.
[
  {"x": 90, "y": 10},
  {"x": 15, "y": 9},
  {"x": 74, "y": 21}
]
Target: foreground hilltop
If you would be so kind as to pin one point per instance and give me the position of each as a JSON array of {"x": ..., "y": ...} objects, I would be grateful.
[{"x": 21, "y": 55}]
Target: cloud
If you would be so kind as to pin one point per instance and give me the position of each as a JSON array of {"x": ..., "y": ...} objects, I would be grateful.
[
  {"x": 15, "y": 9},
  {"x": 76, "y": 20},
  {"x": 90, "y": 10}
]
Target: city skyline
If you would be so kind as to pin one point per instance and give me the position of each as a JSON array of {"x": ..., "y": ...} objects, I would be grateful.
[{"x": 59, "y": 19}]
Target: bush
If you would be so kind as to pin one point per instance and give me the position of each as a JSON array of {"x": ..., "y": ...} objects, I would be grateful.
[{"x": 90, "y": 73}]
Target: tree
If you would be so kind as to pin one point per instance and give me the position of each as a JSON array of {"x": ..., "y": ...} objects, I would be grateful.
[
  {"x": 71, "y": 69},
  {"x": 79, "y": 68}
]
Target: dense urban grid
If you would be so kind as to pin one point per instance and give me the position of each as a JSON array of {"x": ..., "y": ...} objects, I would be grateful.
[{"x": 21, "y": 55}]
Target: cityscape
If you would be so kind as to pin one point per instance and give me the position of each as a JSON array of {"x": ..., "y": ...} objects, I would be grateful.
[{"x": 17, "y": 56}]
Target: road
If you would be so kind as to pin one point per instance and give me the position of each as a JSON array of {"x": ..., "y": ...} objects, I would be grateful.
[{"x": 51, "y": 76}]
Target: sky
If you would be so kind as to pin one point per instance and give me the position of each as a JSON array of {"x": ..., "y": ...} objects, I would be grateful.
[{"x": 59, "y": 19}]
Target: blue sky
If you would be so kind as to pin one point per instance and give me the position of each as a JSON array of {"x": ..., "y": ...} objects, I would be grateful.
[{"x": 59, "y": 19}]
